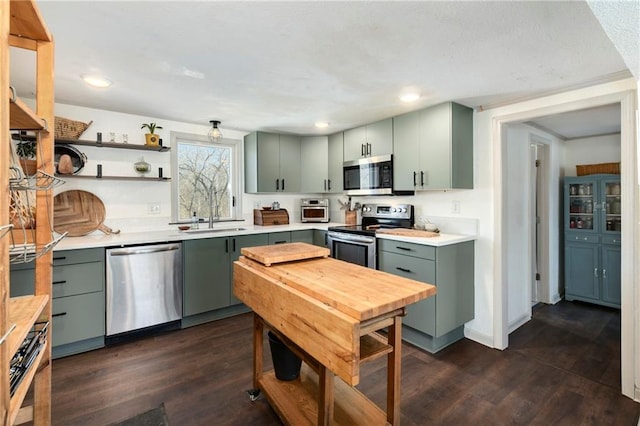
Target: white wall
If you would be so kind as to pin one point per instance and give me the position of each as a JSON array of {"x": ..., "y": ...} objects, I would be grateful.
[{"x": 591, "y": 150}]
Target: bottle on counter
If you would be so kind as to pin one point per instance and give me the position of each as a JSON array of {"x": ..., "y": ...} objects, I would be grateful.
[{"x": 195, "y": 221}]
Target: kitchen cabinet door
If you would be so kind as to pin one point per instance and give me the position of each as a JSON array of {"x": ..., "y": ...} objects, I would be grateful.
[
  {"x": 314, "y": 154},
  {"x": 435, "y": 147},
  {"x": 336, "y": 160},
  {"x": 611, "y": 274},
  {"x": 280, "y": 237},
  {"x": 302, "y": 236},
  {"x": 236, "y": 244},
  {"x": 268, "y": 164},
  {"x": 406, "y": 137},
  {"x": 320, "y": 238},
  {"x": 380, "y": 137},
  {"x": 206, "y": 275},
  {"x": 354, "y": 143},
  {"x": 289, "y": 163},
  {"x": 581, "y": 271}
]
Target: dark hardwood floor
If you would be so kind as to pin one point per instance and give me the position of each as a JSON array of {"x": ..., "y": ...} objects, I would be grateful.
[{"x": 562, "y": 367}]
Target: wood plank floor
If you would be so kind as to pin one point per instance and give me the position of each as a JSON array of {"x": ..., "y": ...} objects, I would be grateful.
[{"x": 562, "y": 367}]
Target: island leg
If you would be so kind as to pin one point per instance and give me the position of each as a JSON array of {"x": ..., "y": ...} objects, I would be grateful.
[
  {"x": 394, "y": 362},
  {"x": 258, "y": 348},
  {"x": 325, "y": 397}
]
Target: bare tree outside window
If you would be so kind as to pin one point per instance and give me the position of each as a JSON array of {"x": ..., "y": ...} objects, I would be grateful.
[{"x": 204, "y": 180}]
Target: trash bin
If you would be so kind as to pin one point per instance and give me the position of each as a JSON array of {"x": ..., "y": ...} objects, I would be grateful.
[{"x": 285, "y": 363}]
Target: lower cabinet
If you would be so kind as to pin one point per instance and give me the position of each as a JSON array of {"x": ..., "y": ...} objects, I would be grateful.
[
  {"x": 78, "y": 308},
  {"x": 320, "y": 238},
  {"x": 302, "y": 236},
  {"x": 438, "y": 321},
  {"x": 592, "y": 272}
]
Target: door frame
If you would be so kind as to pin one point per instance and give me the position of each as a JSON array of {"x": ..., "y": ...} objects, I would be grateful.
[
  {"x": 617, "y": 92},
  {"x": 542, "y": 154}
]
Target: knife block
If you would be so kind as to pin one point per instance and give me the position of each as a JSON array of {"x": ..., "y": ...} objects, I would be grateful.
[
  {"x": 351, "y": 217},
  {"x": 270, "y": 217}
]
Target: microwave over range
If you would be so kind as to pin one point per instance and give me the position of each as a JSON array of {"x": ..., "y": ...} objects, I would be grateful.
[{"x": 369, "y": 176}]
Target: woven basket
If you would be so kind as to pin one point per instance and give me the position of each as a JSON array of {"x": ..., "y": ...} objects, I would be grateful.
[
  {"x": 69, "y": 129},
  {"x": 594, "y": 169}
]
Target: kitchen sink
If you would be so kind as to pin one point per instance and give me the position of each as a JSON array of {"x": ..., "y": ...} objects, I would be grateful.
[{"x": 212, "y": 230}]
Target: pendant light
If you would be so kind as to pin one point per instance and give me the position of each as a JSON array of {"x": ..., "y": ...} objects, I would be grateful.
[{"x": 215, "y": 134}]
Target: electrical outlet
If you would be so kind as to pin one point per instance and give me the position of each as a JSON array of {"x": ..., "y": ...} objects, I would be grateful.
[
  {"x": 153, "y": 208},
  {"x": 455, "y": 207}
]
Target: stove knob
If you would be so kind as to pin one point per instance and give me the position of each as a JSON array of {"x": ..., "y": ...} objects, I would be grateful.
[
  {"x": 404, "y": 210},
  {"x": 393, "y": 210}
]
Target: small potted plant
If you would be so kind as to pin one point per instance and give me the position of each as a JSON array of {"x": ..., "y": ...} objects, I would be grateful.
[
  {"x": 26, "y": 150},
  {"x": 151, "y": 137}
]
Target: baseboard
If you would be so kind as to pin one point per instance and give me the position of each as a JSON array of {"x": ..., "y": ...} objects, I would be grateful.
[
  {"x": 519, "y": 323},
  {"x": 476, "y": 336},
  {"x": 555, "y": 299}
]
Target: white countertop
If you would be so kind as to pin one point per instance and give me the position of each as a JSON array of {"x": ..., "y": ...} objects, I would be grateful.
[{"x": 225, "y": 230}]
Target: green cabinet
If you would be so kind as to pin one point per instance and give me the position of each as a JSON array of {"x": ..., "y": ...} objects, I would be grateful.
[
  {"x": 314, "y": 160},
  {"x": 78, "y": 298},
  {"x": 433, "y": 148},
  {"x": 206, "y": 275},
  {"x": 272, "y": 162},
  {"x": 336, "y": 159},
  {"x": 320, "y": 238},
  {"x": 369, "y": 141},
  {"x": 302, "y": 236},
  {"x": 592, "y": 220},
  {"x": 438, "y": 321},
  {"x": 280, "y": 237}
]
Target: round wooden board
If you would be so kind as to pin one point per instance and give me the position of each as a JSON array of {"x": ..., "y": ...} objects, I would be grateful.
[{"x": 77, "y": 212}]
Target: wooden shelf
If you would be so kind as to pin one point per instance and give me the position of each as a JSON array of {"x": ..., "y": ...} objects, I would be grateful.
[
  {"x": 134, "y": 178},
  {"x": 18, "y": 397},
  {"x": 296, "y": 401},
  {"x": 373, "y": 346},
  {"x": 112, "y": 145},
  {"x": 22, "y": 118},
  {"x": 23, "y": 312},
  {"x": 27, "y": 22}
]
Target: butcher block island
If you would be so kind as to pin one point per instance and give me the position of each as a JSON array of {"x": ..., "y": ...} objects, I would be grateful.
[{"x": 329, "y": 313}]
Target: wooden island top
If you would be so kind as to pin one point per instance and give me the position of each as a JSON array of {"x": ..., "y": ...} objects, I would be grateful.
[{"x": 328, "y": 312}]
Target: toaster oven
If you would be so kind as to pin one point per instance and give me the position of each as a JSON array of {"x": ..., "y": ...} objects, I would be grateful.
[{"x": 314, "y": 210}]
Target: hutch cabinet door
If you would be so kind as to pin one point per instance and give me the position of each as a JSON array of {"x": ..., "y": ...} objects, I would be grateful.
[{"x": 581, "y": 271}]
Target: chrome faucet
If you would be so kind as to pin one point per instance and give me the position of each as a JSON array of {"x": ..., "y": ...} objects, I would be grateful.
[{"x": 214, "y": 210}]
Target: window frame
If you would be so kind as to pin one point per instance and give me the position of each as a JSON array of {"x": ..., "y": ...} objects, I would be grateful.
[{"x": 236, "y": 174}]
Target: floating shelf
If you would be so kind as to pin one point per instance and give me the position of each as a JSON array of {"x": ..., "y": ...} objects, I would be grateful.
[
  {"x": 112, "y": 145},
  {"x": 134, "y": 178}
]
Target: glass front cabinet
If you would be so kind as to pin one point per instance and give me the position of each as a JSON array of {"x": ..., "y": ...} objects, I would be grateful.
[{"x": 592, "y": 223}]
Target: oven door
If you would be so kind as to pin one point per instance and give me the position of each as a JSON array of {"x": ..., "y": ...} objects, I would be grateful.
[
  {"x": 315, "y": 214},
  {"x": 353, "y": 248}
]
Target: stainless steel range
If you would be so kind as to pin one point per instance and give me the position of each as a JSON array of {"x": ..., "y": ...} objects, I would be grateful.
[{"x": 357, "y": 243}]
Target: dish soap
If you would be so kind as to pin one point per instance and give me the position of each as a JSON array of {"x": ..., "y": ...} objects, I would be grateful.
[{"x": 194, "y": 221}]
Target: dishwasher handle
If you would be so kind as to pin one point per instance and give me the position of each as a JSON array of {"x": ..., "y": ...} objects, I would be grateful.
[{"x": 128, "y": 252}]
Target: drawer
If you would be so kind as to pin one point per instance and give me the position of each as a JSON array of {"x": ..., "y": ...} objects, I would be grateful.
[
  {"x": 280, "y": 237},
  {"x": 582, "y": 238},
  {"x": 409, "y": 267},
  {"x": 69, "y": 280},
  {"x": 78, "y": 318},
  {"x": 67, "y": 257},
  {"x": 407, "y": 249},
  {"x": 616, "y": 241}
]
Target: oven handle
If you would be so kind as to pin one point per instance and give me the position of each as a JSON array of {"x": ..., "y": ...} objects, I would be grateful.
[{"x": 352, "y": 238}]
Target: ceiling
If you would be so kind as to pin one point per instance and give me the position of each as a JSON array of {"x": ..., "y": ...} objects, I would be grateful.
[{"x": 281, "y": 66}]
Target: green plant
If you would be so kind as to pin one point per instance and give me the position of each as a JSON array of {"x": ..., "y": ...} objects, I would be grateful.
[
  {"x": 151, "y": 126},
  {"x": 26, "y": 149}
]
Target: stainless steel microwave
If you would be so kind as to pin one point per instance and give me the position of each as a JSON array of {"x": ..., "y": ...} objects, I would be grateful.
[{"x": 369, "y": 176}]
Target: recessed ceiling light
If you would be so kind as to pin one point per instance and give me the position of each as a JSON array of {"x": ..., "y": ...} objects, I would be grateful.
[
  {"x": 322, "y": 124},
  {"x": 409, "y": 97},
  {"x": 96, "y": 81}
]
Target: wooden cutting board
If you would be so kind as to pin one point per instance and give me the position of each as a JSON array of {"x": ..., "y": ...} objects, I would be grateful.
[
  {"x": 279, "y": 253},
  {"x": 79, "y": 213},
  {"x": 408, "y": 232}
]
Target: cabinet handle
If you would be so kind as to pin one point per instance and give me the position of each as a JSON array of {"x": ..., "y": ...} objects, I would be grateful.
[
  {"x": 234, "y": 245},
  {"x": 362, "y": 151},
  {"x": 59, "y": 315},
  {"x": 226, "y": 246},
  {"x": 59, "y": 258},
  {"x": 283, "y": 184},
  {"x": 328, "y": 184},
  {"x": 403, "y": 248},
  {"x": 368, "y": 149},
  {"x": 414, "y": 178},
  {"x": 403, "y": 269},
  {"x": 59, "y": 282},
  {"x": 421, "y": 178},
  {"x": 279, "y": 242},
  {"x": 595, "y": 272},
  {"x": 324, "y": 183},
  {"x": 604, "y": 274},
  {"x": 277, "y": 184}
]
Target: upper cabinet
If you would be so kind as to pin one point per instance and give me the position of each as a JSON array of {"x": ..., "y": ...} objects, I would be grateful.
[
  {"x": 315, "y": 163},
  {"x": 433, "y": 148},
  {"x": 336, "y": 158},
  {"x": 369, "y": 141},
  {"x": 272, "y": 162}
]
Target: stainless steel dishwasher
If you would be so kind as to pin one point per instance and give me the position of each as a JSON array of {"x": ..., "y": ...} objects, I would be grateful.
[{"x": 144, "y": 288}]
